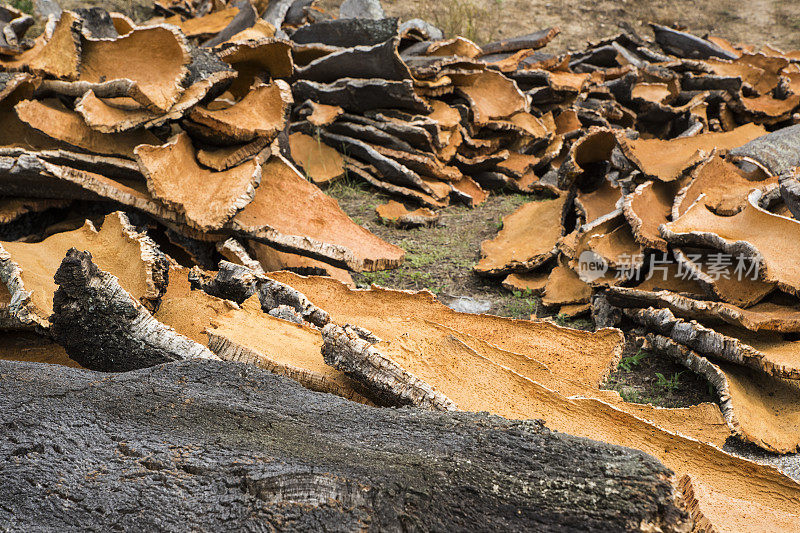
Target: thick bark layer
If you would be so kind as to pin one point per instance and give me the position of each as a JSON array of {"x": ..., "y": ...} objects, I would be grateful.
[
  {"x": 212, "y": 445},
  {"x": 103, "y": 328}
]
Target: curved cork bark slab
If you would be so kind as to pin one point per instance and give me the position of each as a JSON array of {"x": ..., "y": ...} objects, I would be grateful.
[
  {"x": 27, "y": 269},
  {"x": 380, "y": 61},
  {"x": 320, "y": 162},
  {"x": 359, "y": 95},
  {"x": 312, "y": 224},
  {"x": 753, "y": 232},
  {"x": 514, "y": 395},
  {"x": 155, "y": 59},
  {"x": 666, "y": 160},
  {"x": 723, "y": 185},
  {"x": 260, "y": 114},
  {"x": 763, "y": 316},
  {"x": 58, "y": 55},
  {"x": 395, "y": 214},
  {"x": 207, "y": 199},
  {"x": 764, "y": 351},
  {"x": 776, "y": 153},
  {"x": 207, "y": 25},
  {"x": 514, "y": 249},
  {"x": 649, "y": 206},
  {"x": 700, "y": 266},
  {"x": 249, "y": 335},
  {"x": 102, "y": 327},
  {"x": 758, "y": 408},
  {"x": 533, "y": 282},
  {"x": 491, "y": 95},
  {"x": 599, "y": 202},
  {"x": 564, "y": 286},
  {"x": 370, "y": 174},
  {"x": 271, "y": 259},
  {"x": 220, "y": 159},
  {"x": 12, "y": 209},
  {"x": 367, "y": 480},
  {"x": 253, "y": 58},
  {"x": 586, "y": 356},
  {"x": 595, "y": 146},
  {"x": 66, "y": 126}
]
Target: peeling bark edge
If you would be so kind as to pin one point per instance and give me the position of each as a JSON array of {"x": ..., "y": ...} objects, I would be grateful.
[
  {"x": 104, "y": 328},
  {"x": 706, "y": 341},
  {"x": 390, "y": 384}
]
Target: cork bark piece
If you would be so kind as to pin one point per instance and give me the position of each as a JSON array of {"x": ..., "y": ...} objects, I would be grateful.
[
  {"x": 586, "y": 356},
  {"x": 12, "y": 209},
  {"x": 260, "y": 114},
  {"x": 66, "y": 126},
  {"x": 312, "y": 224},
  {"x": 206, "y": 25},
  {"x": 155, "y": 59},
  {"x": 491, "y": 95},
  {"x": 208, "y": 199},
  {"x": 565, "y": 287},
  {"x": 320, "y": 162},
  {"x": 753, "y": 232},
  {"x": 516, "y": 396},
  {"x": 758, "y": 407},
  {"x": 58, "y": 55},
  {"x": 249, "y": 335},
  {"x": 220, "y": 159},
  {"x": 254, "y": 58},
  {"x": 27, "y": 269},
  {"x": 103, "y": 327},
  {"x": 647, "y": 208},
  {"x": 600, "y": 202},
  {"x": 33, "y": 347},
  {"x": 724, "y": 186},
  {"x": 769, "y": 315},
  {"x": 767, "y": 352},
  {"x": 271, "y": 259},
  {"x": 666, "y": 160},
  {"x": 530, "y": 282},
  {"x": 527, "y": 240},
  {"x": 380, "y": 61},
  {"x": 395, "y": 214}
]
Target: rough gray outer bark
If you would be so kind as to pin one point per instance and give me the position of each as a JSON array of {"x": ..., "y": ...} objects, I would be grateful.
[
  {"x": 776, "y": 152},
  {"x": 102, "y": 327},
  {"x": 210, "y": 446},
  {"x": 361, "y": 95},
  {"x": 377, "y": 61},
  {"x": 347, "y": 33},
  {"x": 687, "y": 45},
  {"x": 345, "y": 349}
]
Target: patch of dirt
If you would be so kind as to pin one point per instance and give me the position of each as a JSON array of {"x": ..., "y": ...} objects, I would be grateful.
[{"x": 637, "y": 379}]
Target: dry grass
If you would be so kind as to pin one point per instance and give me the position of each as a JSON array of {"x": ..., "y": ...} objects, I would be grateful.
[{"x": 756, "y": 22}]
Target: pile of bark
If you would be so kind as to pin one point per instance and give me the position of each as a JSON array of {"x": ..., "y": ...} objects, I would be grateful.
[{"x": 154, "y": 177}]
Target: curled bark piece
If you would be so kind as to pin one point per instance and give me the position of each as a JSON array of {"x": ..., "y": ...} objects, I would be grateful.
[
  {"x": 764, "y": 316},
  {"x": 531, "y": 41},
  {"x": 723, "y": 185},
  {"x": 155, "y": 59},
  {"x": 757, "y": 407},
  {"x": 370, "y": 174},
  {"x": 320, "y": 162},
  {"x": 512, "y": 250},
  {"x": 252, "y": 58},
  {"x": 321, "y": 114},
  {"x": 361, "y": 95},
  {"x": 244, "y": 18},
  {"x": 62, "y": 124},
  {"x": 741, "y": 286},
  {"x": 396, "y": 214},
  {"x": 328, "y": 235},
  {"x": 27, "y": 268},
  {"x": 103, "y": 327},
  {"x": 345, "y": 350},
  {"x": 666, "y": 160},
  {"x": 491, "y": 95},
  {"x": 207, "y": 25},
  {"x": 530, "y": 282},
  {"x": 767, "y": 353},
  {"x": 347, "y": 33},
  {"x": 260, "y": 114},
  {"x": 565, "y": 287},
  {"x": 57, "y": 54},
  {"x": 220, "y": 159},
  {"x": 207, "y": 199},
  {"x": 599, "y": 202},
  {"x": 647, "y": 208},
  {"x": 735, "y": 235},
  {"x": 776, "y": 153},
  {"x": 687, "y": 45},
  {"x": 272, "y": 259},
  {"x": 379, "y": 61},
  {"x": 249, "y": 335},
  {"x": 232, "y": 282}
]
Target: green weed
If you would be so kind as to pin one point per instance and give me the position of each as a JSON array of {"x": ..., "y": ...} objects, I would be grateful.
[
  {"x": 627, "y": 363},
  {"x": 668, "y": 383}
]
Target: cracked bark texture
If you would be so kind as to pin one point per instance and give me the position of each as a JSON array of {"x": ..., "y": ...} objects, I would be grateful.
[
  {"x": 102, "y": 327},
  {"x": 209, "y": 445}
]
